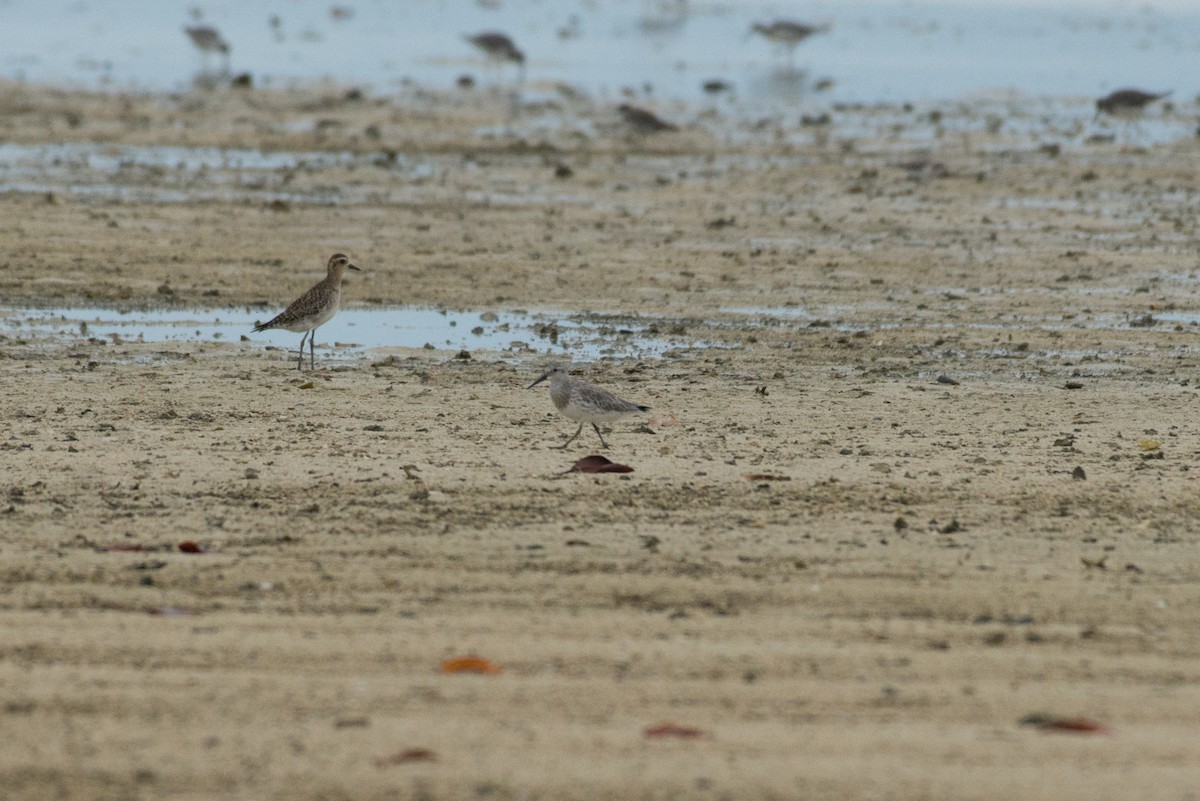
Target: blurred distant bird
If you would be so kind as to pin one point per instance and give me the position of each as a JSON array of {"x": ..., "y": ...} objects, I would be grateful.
[
  {"x": 642, "y": 121},
  {"x": 207, "y": 39},
  {"x": 787, "y": 34},
  {"x": 499, "y": 49},
  {"x": 1127, "y": 102}
]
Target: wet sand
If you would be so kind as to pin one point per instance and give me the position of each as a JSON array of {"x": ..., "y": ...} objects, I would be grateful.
[{"x": 932, "y": 475}]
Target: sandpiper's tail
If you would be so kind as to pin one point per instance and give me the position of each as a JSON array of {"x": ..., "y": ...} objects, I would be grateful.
[{"x": 642, "y": 408}]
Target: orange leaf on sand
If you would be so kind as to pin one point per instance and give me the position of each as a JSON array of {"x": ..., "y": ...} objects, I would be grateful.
[
  {"x": 470, "y": 664},
  {"x": 671, "y": 730},
  {"x": 187, "y": 546}
]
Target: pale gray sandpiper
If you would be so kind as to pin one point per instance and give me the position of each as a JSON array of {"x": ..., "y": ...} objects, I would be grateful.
[
  {"x": 500, "y": 49},
  {"x": 313, "y": 309},
  {"x": 1127, "y": 102},
  {"x": 584, "y": 402},
  {"x": 643, "y": 121},
  {"x": 207, "y": 39}
]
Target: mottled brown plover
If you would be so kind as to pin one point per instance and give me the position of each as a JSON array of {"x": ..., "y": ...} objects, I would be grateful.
[
  {"x": 313, "y": 309},
  {"x": 584, "y": 402}
]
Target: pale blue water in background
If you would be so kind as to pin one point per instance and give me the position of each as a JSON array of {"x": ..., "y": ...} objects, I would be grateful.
[{"x": 877, "y": 51}]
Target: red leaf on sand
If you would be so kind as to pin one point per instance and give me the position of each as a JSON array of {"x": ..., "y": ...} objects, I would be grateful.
[
  {"x": 188, "y": 546},
  {"x": 1075, "y": 725},
  {"x": 408, "y": 755},
  {"x": 671, "y": 730},
  {"x": 1046, "y": 722},
  {"x": 598, "y": 464},
  {"x": 470, "y": 664}
]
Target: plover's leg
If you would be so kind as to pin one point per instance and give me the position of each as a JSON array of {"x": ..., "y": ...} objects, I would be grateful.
[
  {"x": 572, "y": 438},
  {"x": 300, "y": 360},
  {"x": 603, "y": 444}
]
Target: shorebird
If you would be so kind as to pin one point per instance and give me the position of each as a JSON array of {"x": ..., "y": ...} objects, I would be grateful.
[
  {"x": 587, "y": 403},
  {"x": 313, "y": 309},
  {"x": 1127, "y": 102},
  {"x": 642, "y": 121},
  {"x": 207, "y": 39},
  {"x": 499, "y": 49},
  {"x": 787, "y": 34}
]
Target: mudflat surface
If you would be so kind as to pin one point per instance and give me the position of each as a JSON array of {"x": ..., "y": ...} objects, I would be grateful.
[{"x": 928, "y": 469}]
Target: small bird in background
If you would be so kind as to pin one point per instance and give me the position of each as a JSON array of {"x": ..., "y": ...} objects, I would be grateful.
[
  {"x": 313, "y": 309},
  {"x": 500, "y": 49},
  {"x": 208, "y": 40},
  {"x": 1127, "y": 102},
  {"x": 642, "y": 121},
  {"x": 787, "y": 34},
  {"x": 584, "y": 402}
]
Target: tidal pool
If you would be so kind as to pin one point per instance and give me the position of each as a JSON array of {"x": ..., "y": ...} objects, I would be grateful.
[{"x": 354, "y": 331}]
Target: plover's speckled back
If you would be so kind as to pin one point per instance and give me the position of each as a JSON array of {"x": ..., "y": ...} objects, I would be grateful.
[
  {"x": 1127, "y": 102},
  {"x": 314, "y": 308},
  {"x": 584, "y": 402}
]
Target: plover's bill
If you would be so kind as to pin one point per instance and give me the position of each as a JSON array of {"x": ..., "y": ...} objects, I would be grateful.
[
  {"x": 1127, "y": 102},
  {"x": 207, "y": 39},
  {"x": 313, "y": 309},
  {"x": 584, "y": 402},
  {"x": 642, "y": 121},
  {"x": 499, "y": 48}
]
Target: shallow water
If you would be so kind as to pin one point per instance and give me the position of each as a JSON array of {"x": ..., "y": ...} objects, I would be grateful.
[
  {"x": 354, "y": 331},
  {"x": 877, "y": 50}
]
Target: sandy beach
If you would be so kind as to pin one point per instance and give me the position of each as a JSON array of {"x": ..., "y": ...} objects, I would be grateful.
[{"x": 921, "y": 469}]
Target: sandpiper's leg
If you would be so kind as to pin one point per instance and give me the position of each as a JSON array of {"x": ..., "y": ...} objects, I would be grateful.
[
  {"x": 603, "y": 444},
  {"x": 300, "y": 360},
  {"x": 312, "y": 349},
  {"x": 572, "y": 437}
]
